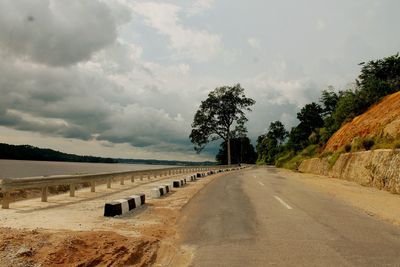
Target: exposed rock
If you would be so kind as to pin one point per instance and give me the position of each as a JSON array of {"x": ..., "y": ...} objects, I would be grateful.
[
  {"x": 24, "y": 252},
  {"x": 378, "y": 168}
]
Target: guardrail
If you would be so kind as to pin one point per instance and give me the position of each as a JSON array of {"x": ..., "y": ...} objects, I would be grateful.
[{"x": 8, "y": 185}]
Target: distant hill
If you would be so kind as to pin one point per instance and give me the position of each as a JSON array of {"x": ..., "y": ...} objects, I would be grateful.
[
  {"x": 27, "y": 152},
  {"x": 382, "y": 120}
]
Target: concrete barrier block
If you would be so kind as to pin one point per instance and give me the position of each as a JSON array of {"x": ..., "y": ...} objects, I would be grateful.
[
  {"x": 160, "y": 191},
  {"x": 179, "y": 183},
  {"x": 176, "y": 184},
  {"x": 124, "y": 205}
]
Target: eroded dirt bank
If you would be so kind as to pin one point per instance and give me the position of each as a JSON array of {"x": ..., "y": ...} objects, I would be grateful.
[{"x": 74, "y": 248}]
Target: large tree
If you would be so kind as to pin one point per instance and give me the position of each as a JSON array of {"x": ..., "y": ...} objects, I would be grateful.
[{"x": 221, "y": 115}]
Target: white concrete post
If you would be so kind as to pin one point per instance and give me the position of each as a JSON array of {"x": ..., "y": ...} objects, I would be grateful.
[
  {"x": 71, "y": 190},
  {"x": 44, "y": 194},
  {"x": 6, "y": 200},
  {"x": 92, "y": 186}
]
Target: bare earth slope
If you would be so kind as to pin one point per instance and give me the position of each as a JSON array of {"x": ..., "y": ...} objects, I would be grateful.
[{"x": 383, "y": 119}]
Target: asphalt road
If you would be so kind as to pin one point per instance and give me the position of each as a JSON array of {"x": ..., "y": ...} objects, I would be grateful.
[{"x": 256, "y": 217}]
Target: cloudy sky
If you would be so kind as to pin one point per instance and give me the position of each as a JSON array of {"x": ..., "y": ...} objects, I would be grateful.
[{"x": 123, "y": 78}]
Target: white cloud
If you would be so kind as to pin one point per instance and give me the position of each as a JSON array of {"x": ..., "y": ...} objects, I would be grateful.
[
  {"x": 125, "y": 71},
  {"x": 253, "y": 42},
  {"x": 55, "y": 32},
  {"x": 320, "y": 24},
  {"x": 198, "y": 45},
  {"x": 199, "y": 6}
]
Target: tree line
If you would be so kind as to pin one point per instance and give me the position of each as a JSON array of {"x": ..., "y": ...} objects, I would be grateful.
[
  {"x": 27, "y": 152},
  {"x": 222, "y": 116}
]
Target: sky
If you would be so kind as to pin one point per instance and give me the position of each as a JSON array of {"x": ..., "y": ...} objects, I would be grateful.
[{"x": 123, "y": 78}]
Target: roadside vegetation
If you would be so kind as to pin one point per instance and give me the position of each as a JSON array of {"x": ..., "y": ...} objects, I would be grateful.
[{"x": 319, "y": 121}]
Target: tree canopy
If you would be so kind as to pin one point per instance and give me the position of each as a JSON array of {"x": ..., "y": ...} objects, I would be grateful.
[
  {"x": 220, "y": 116},
  {"x": 270, "y": 144}
]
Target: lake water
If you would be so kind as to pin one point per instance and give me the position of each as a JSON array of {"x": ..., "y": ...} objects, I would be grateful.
[{"x": 27, "y": 168}]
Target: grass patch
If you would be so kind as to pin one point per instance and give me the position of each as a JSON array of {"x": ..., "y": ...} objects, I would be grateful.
[
  {"x": 284, "y": 157},
  {"x": 396, "y": 145},
  {"x": 291, "y": 160},
  {"x": 333, "y": 158}
]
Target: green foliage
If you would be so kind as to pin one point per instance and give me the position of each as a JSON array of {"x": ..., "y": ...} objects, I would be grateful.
[
  {"x": 310, "y": 117},
  {"x": 291, "y": 160},
  {"x": 277, "y": 131},
  {"x": 270, "y": 144},
  {"x": 284, "y": 157},
  {"x": 329, "y": 101},
  {"x": 386, "y": 71},
  {"x": 360, "y": 144},
  {"x": 242, "y": 151},
  {"x": 356, "y": 144},
  {"x": 310, "y": 151},
  {"x": 325, "y": 154},
  {"x": 333, "y": 158},
  {"x": 223, "y": 109}
]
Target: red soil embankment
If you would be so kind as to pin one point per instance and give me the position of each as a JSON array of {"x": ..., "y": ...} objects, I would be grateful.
[
  {"x": 381, "y": 120},
  {"x": 69, "y": 248}
]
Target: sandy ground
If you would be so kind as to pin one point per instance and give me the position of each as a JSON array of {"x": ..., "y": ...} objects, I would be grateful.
[
  {"x": 69, "y": 231},
  {"x": 377, "y": 203}
]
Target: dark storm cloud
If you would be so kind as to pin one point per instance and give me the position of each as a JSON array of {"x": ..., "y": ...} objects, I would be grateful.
[
  {"x": 55, "y": 32},
  {"x": 82, "y": 103}
]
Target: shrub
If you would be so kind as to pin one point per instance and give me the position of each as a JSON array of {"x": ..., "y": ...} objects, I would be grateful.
[
  {"x": 309, "y": 151},
  {"x": 325, "y": 154},
  {"x": 284, "y": 157},
  {"x": 347, "y": 148},
  {"x": 356, "y": 144},
  {"x": 368, "y": 143},
  {"x": 332, "y": 159},
  {"x": 396, "y": 145}
]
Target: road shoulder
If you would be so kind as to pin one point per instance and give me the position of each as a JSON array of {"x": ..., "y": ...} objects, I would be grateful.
[
  {"x": 374, "y": 202},
  {"x": 33, "y": 233}
]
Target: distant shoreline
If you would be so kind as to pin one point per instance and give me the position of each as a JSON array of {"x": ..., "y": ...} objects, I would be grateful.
[{"x": 28, "y": 152}]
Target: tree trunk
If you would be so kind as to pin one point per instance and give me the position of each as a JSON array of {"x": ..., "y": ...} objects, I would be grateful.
[{"x": 228, "y": 144}]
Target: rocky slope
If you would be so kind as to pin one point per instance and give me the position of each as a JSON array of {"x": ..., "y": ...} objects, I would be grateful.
[{"x": 378, "y": 168}]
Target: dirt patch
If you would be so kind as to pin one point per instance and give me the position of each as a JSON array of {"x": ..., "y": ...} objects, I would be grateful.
[
  {"x": 381, "y": 120},
  {"x": 55, "y": 248}
]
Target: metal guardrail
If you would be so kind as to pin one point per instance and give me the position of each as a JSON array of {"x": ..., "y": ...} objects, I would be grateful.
[{"x": 8, "y": 185}]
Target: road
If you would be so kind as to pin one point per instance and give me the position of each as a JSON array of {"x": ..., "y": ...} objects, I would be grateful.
[{"x": 258, "y": 217}]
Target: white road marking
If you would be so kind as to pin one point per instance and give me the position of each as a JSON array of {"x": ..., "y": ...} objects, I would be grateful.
[
  {"x": 283, "y": 202},
  {"x": 261, "y": 183}
]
